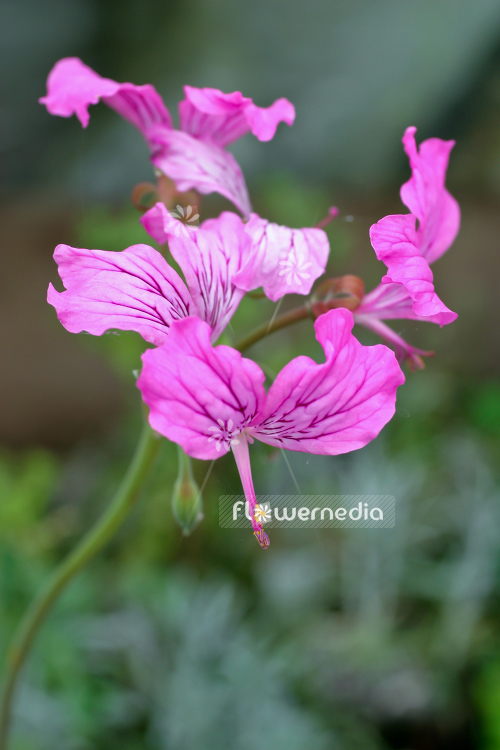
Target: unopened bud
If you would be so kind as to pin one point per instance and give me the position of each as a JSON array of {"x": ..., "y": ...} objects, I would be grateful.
[
  {"x": 343, "y": 291},
  {"x": 186, "y": 497}
]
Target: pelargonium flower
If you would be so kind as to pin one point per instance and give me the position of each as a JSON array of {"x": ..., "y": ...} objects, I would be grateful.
[
  {"x": 137, "y": 290},
  {"x": 408, "y": 243},
  {"x": 212, "y": 400},
  {"x": 194, "y": 156},
  {"x": 279, "y": 259}
]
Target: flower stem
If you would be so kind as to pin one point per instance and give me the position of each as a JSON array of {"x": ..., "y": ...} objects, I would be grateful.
[
  {"x": 95, "y": 539},
  {"x": 282, "y": 321}
]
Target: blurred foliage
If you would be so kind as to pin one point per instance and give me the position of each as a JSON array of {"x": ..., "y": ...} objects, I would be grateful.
[
  {"x": 342, "y": 638},
  {"x": 335, "y": 638}
]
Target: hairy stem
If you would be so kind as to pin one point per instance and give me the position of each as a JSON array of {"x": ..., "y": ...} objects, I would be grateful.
[{"x": 89, "y": 546}]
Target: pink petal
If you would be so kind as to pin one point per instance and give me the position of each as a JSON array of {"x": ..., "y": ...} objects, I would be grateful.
[
  {"x": 210, "y": 115},
  {"x": 403, "y": 349},
  {"x": 335, "y": 407},
  {"x": 192, "y": 163},
  {"x": 72, "y": 87},
  {"x": 283, "y": 260},
  {"x": 209, "y": 258},
  {"x": 396, "y": 243},
  {"x": 194, "y": 391},
  {"x": 242, "y": 458},
  {"x": 387, "y": 302},
  {"x": 426, "y": 196},
  {"x": 134, "y": 290}
]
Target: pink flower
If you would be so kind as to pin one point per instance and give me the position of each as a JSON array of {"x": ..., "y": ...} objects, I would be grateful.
[
  {"x": 284, "y": 260},
  {"x": 136, "y": 289},
  {"x": 407, "y": 248},
  {"x": 212, "y": 400},
  {"x": 279, "y": 259},
  {"x": 193, "y": 156}
]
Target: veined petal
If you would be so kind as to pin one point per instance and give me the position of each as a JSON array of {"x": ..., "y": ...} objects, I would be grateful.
[
  {"x": 200, "y": 397},
  {"x": 133, "y": 290},
  {"x": 396, "y": 243},
  {"x": 426, "y": 196},
  {"x": 335, "y": 407},
  {"x": 387, "y": 302},
  {"x": 209, "y": 257},
  {"x": 192, "y": 163},
  {"x": 73, "y": 86},
  {"x": 283, "y": 260},
  {"x": 211, "y": 115}
]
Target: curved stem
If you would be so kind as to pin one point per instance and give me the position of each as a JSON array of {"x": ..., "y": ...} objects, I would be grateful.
[
  {"x": 95, "y": 539},
  {"x": 293, "y": 316},
  {"x": 98, "y": 535}
]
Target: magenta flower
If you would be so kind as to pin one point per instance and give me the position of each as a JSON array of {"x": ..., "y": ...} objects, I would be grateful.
[
  {"x": 193, "y": 156},
  {"x": 212, "y": 400},
  {"x": 137, "y": 290},
  {"x": 407, "y": 248},
  {"x": 279, "y": 259}
]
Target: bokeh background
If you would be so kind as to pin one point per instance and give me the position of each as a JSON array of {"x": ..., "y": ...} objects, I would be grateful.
[{"x": 334, "y": 639}]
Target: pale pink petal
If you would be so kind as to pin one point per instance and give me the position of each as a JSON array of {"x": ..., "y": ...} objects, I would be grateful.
[
  {"x": 335, "y": 407},
  {"x": 200, "y": 397},
  {"x": 211, "y": 115},
  {"x": 425, "y": 194},
  {"x": 161, "y": 225},
  {"x": 195, "y": 164},
  {"x": 209, "y": 257},
  {"x": 396, "y": 243},
  {"x": 73, "y": 86},
  {"x": 387, "y": 302},
  {"x": 283, "y": 260},
  {"x": 133, "y": 290}
]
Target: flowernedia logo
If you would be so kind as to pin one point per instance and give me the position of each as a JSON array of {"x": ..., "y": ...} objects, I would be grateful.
[
  {"x": 262, "y": 513},
  {"x": 310, "y": 511}
]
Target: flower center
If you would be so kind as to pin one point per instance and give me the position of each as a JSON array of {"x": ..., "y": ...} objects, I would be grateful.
[{"x": 223, "y": 434}]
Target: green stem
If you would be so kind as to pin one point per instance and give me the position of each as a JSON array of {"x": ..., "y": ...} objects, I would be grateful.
[
  {"x": 96, "y": 538},
  {"x": 98, "y": 535},
  {"x": 287, "y": 319}
]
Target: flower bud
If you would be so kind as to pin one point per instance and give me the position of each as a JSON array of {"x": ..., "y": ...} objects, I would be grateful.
[
  {"x": 144, "y": 196},
  {"x": 343, "y": 291},
  {"x": 186, "y": 497},
  {"x": 170, "y": 196}
]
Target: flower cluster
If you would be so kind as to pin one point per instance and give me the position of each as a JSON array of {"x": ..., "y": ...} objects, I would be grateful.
[{"x": 209, "y": 399}]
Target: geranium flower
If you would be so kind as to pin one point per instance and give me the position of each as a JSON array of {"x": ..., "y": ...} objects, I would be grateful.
[
  {"x": 278, "y": 259},
  {"x": 408, "y": 243},
  {"x": 137, "y": 290},
  {"x": 195, "y": 392},
  {"x": 194, "y": 156}
]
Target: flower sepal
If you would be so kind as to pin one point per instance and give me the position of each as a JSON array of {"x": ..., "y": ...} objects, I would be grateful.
[
  {"x": 187, "y": 504},
  {"x": 185, "y": 205},
  {"x": 342, "y": 291}
]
